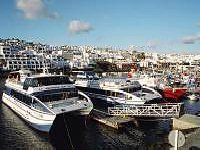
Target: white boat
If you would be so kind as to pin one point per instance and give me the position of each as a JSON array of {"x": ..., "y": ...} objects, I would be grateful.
[
  {"x": 39, "y": 98},
  {"x": 193, "y": 97},
  {"x": 115, "y": 90}
]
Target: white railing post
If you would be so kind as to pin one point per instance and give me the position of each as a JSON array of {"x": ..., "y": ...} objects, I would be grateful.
[{"x": 147, "y": 110}]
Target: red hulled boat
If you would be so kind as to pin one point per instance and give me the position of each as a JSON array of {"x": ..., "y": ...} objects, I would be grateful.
[{"x": 174, "y": 93}]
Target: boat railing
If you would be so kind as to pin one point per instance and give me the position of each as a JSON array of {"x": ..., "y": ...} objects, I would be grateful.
[
  {"x": 83, "y": 96},
  {"x": 40, "y": 106},
  {"x": 148, "y": 110}
]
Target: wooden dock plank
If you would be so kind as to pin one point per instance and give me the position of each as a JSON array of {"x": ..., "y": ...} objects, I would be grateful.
[{"x": 111, "y": 121}]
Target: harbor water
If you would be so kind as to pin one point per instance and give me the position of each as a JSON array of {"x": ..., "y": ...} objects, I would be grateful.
[{"x": 71, "y": 132}]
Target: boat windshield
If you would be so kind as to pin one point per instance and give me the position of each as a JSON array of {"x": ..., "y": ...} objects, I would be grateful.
[
  {"x": 131, "y": 89},
  {"x": 86, "y": 74},
  {"x": 46, "y": 81}
]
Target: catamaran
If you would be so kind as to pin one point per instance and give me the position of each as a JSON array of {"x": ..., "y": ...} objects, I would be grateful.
[{"x": 39, "y": 98}]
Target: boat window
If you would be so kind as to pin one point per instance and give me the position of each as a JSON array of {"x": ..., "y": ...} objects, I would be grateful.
[
  {"x": 34, "y": 83},
  {"x": 108, "y": 93},
  {"x": 120, "y": 95},
  {"x": 21, "y": 97},
  {"x": 90, "y": 73},
  {"x": 115, "y": 94},
  {"x": 46, "y": 81},
  {"x": 145, "y": 90},
  {"x": 131, "y": 89},
  {"x": 126, "y": 90},
  {"x": 14, "y": 75},
  {"x": 136, "y": 83},
  {"x": 81, "y": 73},
  {"x": 8, "y": 91},
  {"x": 50, "y": 96},
  {"x": 27, "y": 83}
]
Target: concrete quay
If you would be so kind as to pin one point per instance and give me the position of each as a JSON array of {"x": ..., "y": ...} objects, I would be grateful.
[
  {"x": 187, "y": 121},
  {"x": 190, "y": 125}
]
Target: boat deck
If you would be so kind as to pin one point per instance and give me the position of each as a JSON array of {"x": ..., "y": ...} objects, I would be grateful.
[{"x": 66, "y": 106}]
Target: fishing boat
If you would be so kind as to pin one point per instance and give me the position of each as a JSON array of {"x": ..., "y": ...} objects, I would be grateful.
[
  {"x": 38, "y": 99},
  {"x": 172, "y": 91}
]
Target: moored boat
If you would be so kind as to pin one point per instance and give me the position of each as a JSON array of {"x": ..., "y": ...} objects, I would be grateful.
[
  {"x": 193, "y": 97},
  {"x": 38, "y": 99},
  {"x": 174, "y": 93},
  {"x": 115, "y": 91}
]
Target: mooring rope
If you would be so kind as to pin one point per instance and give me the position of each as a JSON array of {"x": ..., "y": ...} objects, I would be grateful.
[{"x": 70, "y": 140}]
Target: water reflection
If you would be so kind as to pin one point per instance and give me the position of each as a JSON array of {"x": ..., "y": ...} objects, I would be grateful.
[
  {"x": 191, "y": 107},
  {"x": 15, "y": 133},
  {"x": 70, "y": 132}
]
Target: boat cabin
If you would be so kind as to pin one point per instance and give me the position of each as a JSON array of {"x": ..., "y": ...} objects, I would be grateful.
[
  {"x": 19, "y": 76},
  {"x": 86, "y": 74},
  {"x": 39, "y": 81},
  {"x": 120, "y": 83}
]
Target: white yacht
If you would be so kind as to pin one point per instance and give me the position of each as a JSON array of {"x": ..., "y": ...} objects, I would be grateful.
[
  {"x": 39, "y": 98},
  {"x": 115, "y": 90}
]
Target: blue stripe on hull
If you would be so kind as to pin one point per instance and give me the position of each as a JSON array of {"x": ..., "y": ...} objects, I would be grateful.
[{"x": 43, "y": 128}]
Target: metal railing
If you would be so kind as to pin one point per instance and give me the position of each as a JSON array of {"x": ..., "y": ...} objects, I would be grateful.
[{"x": 167, "y": 110}]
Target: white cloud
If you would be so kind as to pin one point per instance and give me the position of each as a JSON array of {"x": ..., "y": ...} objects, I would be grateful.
[
  {"x": 191, "y": 39},
  {"x": 35, "y": 9},
  {"x": 77, "y": 26},
  {"x": 152, "y": 44}
]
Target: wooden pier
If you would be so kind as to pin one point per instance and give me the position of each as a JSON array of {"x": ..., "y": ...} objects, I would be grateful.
[{"x": 112, "y": 121}]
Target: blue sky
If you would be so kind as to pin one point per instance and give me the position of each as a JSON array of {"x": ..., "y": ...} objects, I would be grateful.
[{"x": 162, "y": 26}]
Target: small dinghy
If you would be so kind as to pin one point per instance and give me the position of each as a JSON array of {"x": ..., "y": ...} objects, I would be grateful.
[{"x": 193, "y": 97}]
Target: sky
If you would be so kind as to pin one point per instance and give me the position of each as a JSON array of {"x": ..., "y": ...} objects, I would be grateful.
[{"x": 163, "y": 26}]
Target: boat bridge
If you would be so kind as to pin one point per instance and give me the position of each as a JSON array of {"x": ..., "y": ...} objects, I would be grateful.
[{"x": 167, "y": 110}]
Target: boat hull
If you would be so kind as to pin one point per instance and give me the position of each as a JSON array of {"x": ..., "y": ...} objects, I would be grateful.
[
  {"x": 41, "y": 127},
  {"x": 35, "y": 119},
  {"x": 174, "y": 93}
]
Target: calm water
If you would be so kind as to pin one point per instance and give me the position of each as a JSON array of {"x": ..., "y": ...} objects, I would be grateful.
[{"x": 68, "y": 132}]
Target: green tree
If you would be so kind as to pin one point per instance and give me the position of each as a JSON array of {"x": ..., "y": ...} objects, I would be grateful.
[{"x": 141, "y": 56}]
